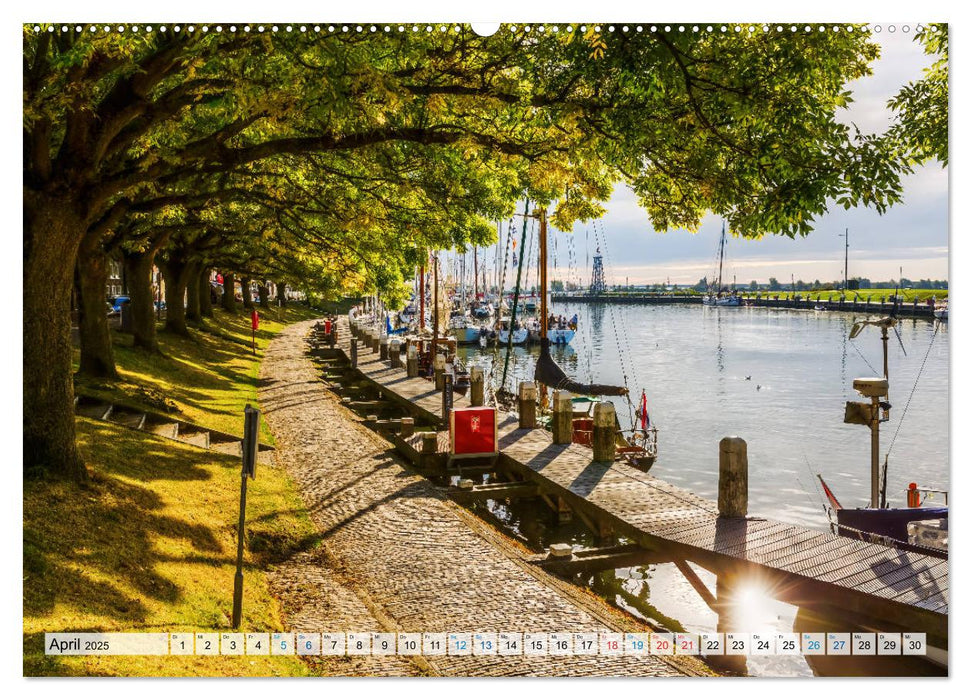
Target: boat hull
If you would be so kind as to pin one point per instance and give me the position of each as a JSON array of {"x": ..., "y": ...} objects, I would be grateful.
[
  {"x": 518, "y": 336},
  {"x": 721, "y": 301}
]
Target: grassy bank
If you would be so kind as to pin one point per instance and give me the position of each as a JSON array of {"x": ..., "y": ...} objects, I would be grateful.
[{"x": 149, "y": 543}]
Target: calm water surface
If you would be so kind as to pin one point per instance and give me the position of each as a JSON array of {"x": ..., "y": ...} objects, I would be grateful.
[{"x": 779, "y": 379}]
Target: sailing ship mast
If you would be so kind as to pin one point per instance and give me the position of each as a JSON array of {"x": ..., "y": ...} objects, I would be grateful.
[{"x": 721, "y": 259}]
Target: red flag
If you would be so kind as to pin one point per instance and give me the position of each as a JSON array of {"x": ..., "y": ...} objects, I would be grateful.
[
  {"x": 255, "y": 319},
  {"x": 644, "y": 420}
]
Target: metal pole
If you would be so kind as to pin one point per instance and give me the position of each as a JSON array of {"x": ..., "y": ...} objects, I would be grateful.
[
  {"x": 846, "y": 261},
  {"x": 238, "y": 580},
  {"x": 875, "y": 454}
]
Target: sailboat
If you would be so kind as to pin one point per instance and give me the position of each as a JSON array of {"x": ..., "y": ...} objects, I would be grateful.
[
  {"x": 715, "y": 296},
  {"x": 918, "y": 527},
  {"x": 637, "y": 446}
]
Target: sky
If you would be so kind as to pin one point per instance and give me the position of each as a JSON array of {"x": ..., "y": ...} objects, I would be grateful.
[{"x": 912, "y": 235}]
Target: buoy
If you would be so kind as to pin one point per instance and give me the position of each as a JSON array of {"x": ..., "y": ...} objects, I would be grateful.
[{"x": 913, "y": 496}]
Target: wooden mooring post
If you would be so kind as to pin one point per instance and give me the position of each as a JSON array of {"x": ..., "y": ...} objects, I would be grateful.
[
  {"x": 438, "y": 364},
  {"x": 527, "y": 405},
  {"x": 383, "y": 346},
  {"x": 407, "y": 426},
  {"x": 394, "y": 352},
  {"x": 732, "y": 478},
  {"x": 354, "y": 352},
  {"x": 562, "y": 418},
  {"x": 604, "y": 432},
  {"x": 476, "y": 387},
  {"x": 412, "y": 362},
  {"x": 376, "y": 343}
]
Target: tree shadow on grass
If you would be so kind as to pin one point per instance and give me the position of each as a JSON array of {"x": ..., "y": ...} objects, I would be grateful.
[{"x": 93, "y": 550}]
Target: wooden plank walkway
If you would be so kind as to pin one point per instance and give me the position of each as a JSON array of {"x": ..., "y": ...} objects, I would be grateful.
[{"x": 804, "y": 567}]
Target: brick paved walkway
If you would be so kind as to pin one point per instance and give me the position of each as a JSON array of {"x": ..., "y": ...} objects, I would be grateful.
[{"x": 397, "y": 556}]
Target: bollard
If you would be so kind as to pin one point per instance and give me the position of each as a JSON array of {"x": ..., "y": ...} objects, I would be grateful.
[
  {"x": 447, "y": 397},
  {"x": 394, "y": 351},
  {"x": 732, "y": 478},
  {"x": 562, "y": 418},
  {"x": 412, "y": 360},
  {"x": 383, "y": 349},
  {"x": 429, "y": 443},
  {"x": 407, "y": 427},
  {"x": 476, "y": 387},
  {"x": 354, "y": 352},
  {"x": 604, "y": 432},
  {"x": 527, "y": 405},
  {"x": 375, "y": 343},
  {"x": 439, "y": 366}
]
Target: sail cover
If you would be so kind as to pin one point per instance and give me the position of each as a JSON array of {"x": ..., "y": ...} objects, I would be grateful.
[{"x": 549, "y": 373}]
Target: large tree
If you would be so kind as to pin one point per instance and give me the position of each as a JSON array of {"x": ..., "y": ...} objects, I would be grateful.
[{"x": 741, "y": 123}]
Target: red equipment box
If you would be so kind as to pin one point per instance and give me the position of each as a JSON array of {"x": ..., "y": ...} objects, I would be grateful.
[{"x": 473, "y": 432}]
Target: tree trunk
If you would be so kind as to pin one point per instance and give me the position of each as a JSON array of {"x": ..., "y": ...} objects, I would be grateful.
[
  {"x": 97, "y": 354},
  {"x": 52, "y": 233},
  {"x": 264, "y": 292},
  {"x": 139, "y": 267},
  {"x": 247, "y": 293},
  {"x": 193, "y": 310},
  {"x": 205, "y": 294},
  {"x": 229, "y": 293},
  {"x": 281, "y": 293},
  {"x": 176, "y": 274}
]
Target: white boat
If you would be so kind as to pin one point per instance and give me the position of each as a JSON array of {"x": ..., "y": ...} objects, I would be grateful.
[
  {"x": 519, "y": 334},
  {"x": 718, "y": 300},
  {"x": 940, "y": 313},
  {"x": 716, "y": 296},
  {"x": 559, "y": 334},
  {"x": 464, "y": 329}
]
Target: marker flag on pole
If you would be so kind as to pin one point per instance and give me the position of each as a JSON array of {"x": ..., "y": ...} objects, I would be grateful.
[{"x": 645, "y": 420}]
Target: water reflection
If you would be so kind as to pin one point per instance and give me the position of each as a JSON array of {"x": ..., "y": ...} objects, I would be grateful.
[{"x": 782, "y": 379}]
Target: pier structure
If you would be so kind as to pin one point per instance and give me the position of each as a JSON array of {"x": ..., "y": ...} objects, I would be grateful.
[{"x": 874, "y": 586}]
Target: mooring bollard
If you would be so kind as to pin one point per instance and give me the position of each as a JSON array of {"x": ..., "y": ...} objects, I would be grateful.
[
  {"x": 353, "y": 352},
  {"x": 376, "y": 343},
  {"x": 383, "y": 349},
  {"x": 527, "y": 405},
  {"x": 429, "y": 443},
  {"x": 407, "y": 427},
  {"x": 412, "y": 360},
  {"x": 476, "y": 387},
  {"x": 447, "y": 397},
  {"x": 438, "y": 364},
  {"x": 604, "y": 432},
  {"x": 562, "y": 418},
  {"x": 732, "y": 478},
  {"x": 394, "y": 352}
]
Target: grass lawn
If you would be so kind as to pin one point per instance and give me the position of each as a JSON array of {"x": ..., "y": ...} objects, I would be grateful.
[
  {"x": 861, "y": 294},
  {"x": 149, "y": 543}
]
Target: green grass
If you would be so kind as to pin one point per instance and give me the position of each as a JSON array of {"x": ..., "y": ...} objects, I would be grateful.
[
  {"x": 149, "y": 543},
  {"x": 862, "y": 295},
  {"x": 207, "y": 378}
]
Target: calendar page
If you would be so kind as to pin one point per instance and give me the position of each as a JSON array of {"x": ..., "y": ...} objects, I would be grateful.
[{"x": 569, "y": 348}]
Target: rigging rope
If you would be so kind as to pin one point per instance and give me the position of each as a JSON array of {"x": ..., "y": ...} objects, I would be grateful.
[
  {"x": 912, "y": 390},
  {"x": 515, "y": 302}
]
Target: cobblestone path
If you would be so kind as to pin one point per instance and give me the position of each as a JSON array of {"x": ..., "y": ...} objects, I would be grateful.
[{"x": 397, "y": 556}]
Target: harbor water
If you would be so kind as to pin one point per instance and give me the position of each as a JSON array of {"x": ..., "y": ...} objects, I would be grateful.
[{"x": 777, "y": 378}]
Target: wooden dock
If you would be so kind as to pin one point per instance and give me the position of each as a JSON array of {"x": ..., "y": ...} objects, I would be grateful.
[{"x": 878, "y": 587}]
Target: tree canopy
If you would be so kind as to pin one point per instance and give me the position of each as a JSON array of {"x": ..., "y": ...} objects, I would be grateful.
[{"x": 336, "y": 160}]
